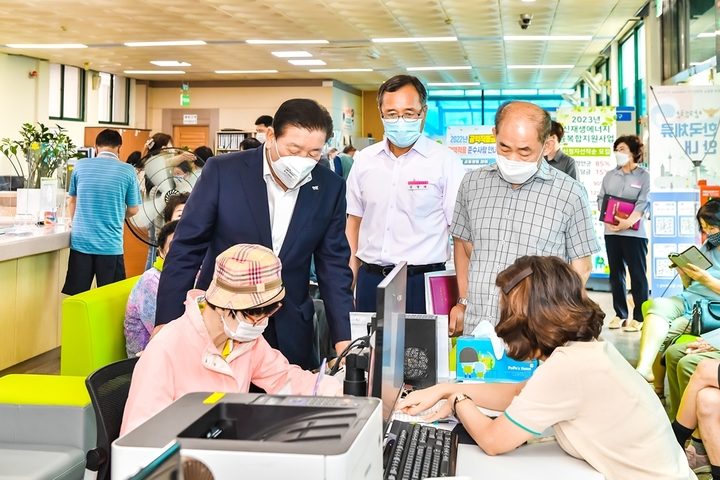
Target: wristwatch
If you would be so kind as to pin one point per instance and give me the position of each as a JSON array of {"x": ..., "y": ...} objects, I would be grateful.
[
  {"x": 459, "y": 398},
  {"x": 462, "y": 301}
]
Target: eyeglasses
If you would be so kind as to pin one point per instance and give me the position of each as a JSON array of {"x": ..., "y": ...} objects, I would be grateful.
[
  {"x": 252, "y": 321},
  {"x": 408, "y": 117}
]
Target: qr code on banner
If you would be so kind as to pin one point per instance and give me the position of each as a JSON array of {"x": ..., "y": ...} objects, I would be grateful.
[
  {"x": 662, "y": 268},
  {"x": 665, "y": 226},
  {"x": 687, "y": 226}
]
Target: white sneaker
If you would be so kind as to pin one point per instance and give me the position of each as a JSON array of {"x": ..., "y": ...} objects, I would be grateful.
[{"x": 615, "y": 323}]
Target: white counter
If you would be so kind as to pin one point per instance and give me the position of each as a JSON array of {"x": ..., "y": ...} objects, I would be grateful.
[{"x": 38, "y": 240}]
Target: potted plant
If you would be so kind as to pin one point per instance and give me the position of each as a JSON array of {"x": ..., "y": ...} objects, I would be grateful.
[{"x": 46, "y": 151}]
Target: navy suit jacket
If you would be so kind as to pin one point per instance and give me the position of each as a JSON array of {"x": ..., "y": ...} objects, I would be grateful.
[{"x": 229, "y": 205}]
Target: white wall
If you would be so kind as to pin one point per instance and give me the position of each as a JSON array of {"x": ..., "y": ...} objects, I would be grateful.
[{"x": 25, "y": 100}]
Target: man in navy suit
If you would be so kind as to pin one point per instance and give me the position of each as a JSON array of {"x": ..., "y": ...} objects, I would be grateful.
[{"x": 275, "y": 196}]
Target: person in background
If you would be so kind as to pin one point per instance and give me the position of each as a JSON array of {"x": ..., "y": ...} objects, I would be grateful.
[
  {"x": 183, "y": 176},
  {"x": 557, "y": 158},
  {"x": 103, "y": 192},
  {"x": 275, "y": 196},
  {"x": 400, "y": 195},
  {"x": 682, "y": 362},
  {"x": 669, "y": 317},
  {"x": 249, "y": 143},
  {"x": 700, "y": 409},
  {"x": 217, "y": 345},
  {"x": 335, "y": 162},
  {"x": 517, "y": 206},
  {"x": 202, "y": 155},
  {"x": 140, "y": 309},
  {"x": 545, "y": 314},
  {"x": 347, "y": 160},
  {"x": 174, "y": 207},
  {"x": 134, "y": 159},
  {"x": 262, "y": 124},
  {"x": 625, "y": 245}
]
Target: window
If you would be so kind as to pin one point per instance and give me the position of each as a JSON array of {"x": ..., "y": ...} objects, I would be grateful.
[
  {"x": 114, "y": 98},
  {"x": 627, "y": 72},
  {"x": 67, "y": 93}
]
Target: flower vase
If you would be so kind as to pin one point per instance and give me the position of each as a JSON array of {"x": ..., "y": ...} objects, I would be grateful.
[{"x": 34, "y": 159}]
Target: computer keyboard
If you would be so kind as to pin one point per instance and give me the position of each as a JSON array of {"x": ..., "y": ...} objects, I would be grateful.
[{"x": 420, "y": 451}]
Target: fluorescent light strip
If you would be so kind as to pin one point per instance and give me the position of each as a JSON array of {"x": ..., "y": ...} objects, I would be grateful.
[
  {"x": 335, "y": 70},
  {"x": 453, "y": 84},
  {"x": 307, "y": 62},
  {"x": 414, "y": 39},
  {"x": 547, "y": 38},
  {"x": 511, "y": 67},
  {"x": 230, "y": 72},
  {"x": 420, "y": 69},
  {"x": 178, "y": 43},
  {"x": 154, "y": 72},
  {"x": 46, "y": 45},
  {"x": 292, "y": 54},
  {"x": 170, "y": 63},
  {"x": 700, "y": 35},
  {"x": 285, "y": 42}
]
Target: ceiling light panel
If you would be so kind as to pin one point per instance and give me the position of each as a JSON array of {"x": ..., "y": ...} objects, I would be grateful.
[
  {"x": 548, "y": 38},
  {"x": 307, "y": 62},
  {"x": 529, "y": 67},
  {"x": 244, "y": 71},
  {"x": 286, "y": 42},
  {"x": 421, "y": 69},
  {"x": 414, "y": 39},
  {"x": 170, "y": 63},
  {"x": 154, "y": 72},
  {"x": 336, "y": 70},
  {"x": 453, "y": 84},
  {"x": 292, "y": 54}
]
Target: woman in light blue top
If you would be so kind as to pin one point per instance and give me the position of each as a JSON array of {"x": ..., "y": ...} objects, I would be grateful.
[
  {"x": 626, "y": 245},
  {"x": 668, "y": 317}
]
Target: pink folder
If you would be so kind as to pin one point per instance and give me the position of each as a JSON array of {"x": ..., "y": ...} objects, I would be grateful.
[
  {"x": 444, "y": 293},
  {"x": 617, "y": 207}
]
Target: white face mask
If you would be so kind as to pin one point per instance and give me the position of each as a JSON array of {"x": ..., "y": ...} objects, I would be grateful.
[
  {"x": 515, "y": 172},
  {"x": 260, "y": 136},
  {"x": 292, "y": 170},
  {"x": 244, "y": 331},
  {"x": 622, "y": 159}
]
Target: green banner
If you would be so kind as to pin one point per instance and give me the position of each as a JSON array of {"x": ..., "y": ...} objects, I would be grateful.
[{"x": 587, "y": 151}]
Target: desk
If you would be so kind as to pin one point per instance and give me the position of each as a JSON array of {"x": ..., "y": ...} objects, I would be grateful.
[
  {"x": 32, "y": 272},
  {"x": 537, "y": 461}
]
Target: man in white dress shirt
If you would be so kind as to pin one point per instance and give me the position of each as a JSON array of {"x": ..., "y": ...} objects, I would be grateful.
[{"x": 400, "y": 198}]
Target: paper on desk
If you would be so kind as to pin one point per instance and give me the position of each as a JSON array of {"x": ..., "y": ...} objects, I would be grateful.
[{"x": 713, "y": 338}]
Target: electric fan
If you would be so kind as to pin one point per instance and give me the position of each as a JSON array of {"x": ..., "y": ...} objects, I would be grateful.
[{"x": 165, "y": 174}]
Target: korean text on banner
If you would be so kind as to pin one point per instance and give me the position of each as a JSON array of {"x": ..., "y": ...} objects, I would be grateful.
[
  {"x": 683, "y": 122},
  {"x": 589, "y": 136},
  {"x": 475, "y": 145}
]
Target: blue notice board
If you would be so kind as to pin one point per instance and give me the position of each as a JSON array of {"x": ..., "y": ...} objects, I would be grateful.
[{"x": 673, "y": 228}]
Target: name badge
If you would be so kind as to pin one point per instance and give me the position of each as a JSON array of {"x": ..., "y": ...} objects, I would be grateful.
[
  {"x": 635, "y": 185},
  {"x": 418, "y": 185}
]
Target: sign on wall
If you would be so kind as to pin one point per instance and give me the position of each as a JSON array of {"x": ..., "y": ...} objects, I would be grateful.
[
  {"x": 475, "y": 145},
  {"x": 589, "y": 136},
  {"x": 683, "y": 122}
]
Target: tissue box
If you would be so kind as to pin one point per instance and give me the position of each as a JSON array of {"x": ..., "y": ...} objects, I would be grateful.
[{"x": 476, "y": 361}]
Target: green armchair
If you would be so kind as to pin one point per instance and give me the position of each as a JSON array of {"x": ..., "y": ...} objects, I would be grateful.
[{"x": 92, "y": 328}]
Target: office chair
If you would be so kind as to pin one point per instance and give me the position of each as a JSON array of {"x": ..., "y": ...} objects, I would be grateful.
[{"x": 109, "y": 387}]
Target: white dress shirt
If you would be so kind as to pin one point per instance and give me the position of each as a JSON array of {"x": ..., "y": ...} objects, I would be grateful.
[
  {"x": 281, "y": 204},
  {"x": 406, "y": 203}
]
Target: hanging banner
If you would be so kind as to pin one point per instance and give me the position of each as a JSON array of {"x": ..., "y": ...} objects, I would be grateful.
[
  {"x": 589, "y": 136},
  {"x": 683, "y": 122},
  {"x": 475, "y": 145}
]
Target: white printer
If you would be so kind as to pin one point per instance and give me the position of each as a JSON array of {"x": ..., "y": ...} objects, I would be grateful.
[{"x": 261, "y": 436}]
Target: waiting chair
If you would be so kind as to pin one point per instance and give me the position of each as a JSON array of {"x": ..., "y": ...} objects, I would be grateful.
[{"x": 109, "y": 388}]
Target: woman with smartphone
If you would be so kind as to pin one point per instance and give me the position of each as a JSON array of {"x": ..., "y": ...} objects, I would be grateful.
[
  {"x": 668, "y": 317},
  {"x": 626, "y": 241}
]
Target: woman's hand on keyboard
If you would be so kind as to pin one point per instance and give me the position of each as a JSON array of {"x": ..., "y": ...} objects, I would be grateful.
[
  {"x": 444, "y": 411},
  {"x": 421, "y": 400}
]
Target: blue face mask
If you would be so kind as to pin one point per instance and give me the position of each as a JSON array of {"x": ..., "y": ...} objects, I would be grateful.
[{"x": 401, "y": 133}]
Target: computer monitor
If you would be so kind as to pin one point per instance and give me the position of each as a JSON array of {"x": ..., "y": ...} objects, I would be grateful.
[
  {"x": 166, "y": 466},
  {"x": 385, "y": 379}
]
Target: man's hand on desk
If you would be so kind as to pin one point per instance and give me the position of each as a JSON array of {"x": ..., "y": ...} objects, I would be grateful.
[{"x": 456, "y": 320}]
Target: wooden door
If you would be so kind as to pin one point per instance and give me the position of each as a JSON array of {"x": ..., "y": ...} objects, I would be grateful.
[{"x": 191, "y": 136}]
